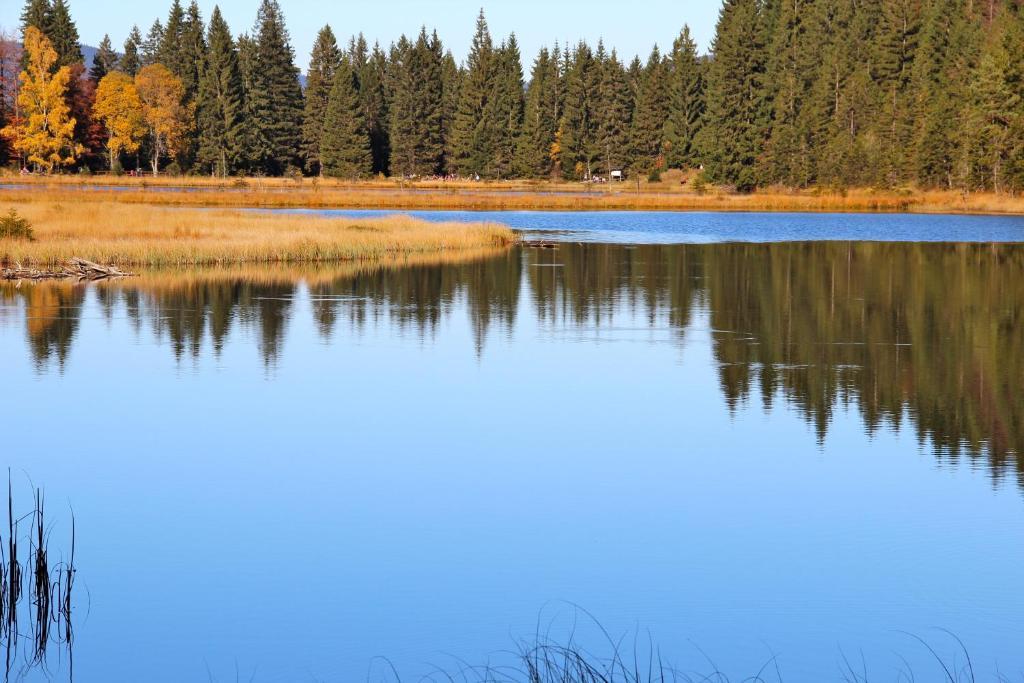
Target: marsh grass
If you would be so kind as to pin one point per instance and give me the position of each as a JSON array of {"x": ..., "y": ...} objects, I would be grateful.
[
  {"x": 116, "y": 233},
  {"x": 669, "y": 195}
]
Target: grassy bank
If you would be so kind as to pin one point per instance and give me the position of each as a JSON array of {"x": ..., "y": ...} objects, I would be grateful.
[
  {"x": 127, "y": 234},
  {"x": 671, "y": 195}
]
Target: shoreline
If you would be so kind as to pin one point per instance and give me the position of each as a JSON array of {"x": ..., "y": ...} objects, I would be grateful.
[
  {"x": 125, "y": 235},
  {"x": 315, "y": 193}
]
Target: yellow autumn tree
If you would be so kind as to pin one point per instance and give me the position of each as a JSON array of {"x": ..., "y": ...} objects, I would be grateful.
[
  {"x": 44, "y": 132},
  {"x": 166, "y": 118},
  {"x": 119, "y": 109}
]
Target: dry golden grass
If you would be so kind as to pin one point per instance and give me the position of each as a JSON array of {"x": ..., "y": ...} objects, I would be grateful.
[
  {"x": 143, "y": 235},
  {"x": 673, "y": 194}
]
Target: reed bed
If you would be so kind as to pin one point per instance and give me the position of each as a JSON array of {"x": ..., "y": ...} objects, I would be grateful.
[
  {"x": 126, "y": 234},
  {"x": 494, "y": 196},
  {"x": 49, "y": 589}
]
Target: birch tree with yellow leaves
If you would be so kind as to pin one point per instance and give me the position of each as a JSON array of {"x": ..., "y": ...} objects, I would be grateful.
[
  {"x": 44, "y": 131},
  {"x": 119, "y": 108}
]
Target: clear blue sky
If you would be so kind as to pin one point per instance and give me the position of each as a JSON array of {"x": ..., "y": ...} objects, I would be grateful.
[{"x": 632, "y": 26}]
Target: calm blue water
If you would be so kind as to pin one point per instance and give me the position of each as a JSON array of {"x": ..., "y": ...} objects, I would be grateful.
[
  {"x": 800, "y": 449},
  {"x": 667, "y": 227}
]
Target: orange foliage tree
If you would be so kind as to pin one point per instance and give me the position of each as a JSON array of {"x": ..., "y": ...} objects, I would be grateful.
[{"x": 166, "y": 117}]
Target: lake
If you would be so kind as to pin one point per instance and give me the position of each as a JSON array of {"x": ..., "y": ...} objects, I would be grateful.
[{"x": 729, "y": 451}]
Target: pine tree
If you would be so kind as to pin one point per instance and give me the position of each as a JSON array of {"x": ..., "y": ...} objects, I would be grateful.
[
  {"x": 276, "y": 96},
  {"x": 324, "y": 61},
  {"x": 505, "y": 107},
  {"x": 345, "y": 147},
  {"x": 685, "y": 102},
  {"x": 736, "y": 122},
  {"x": 614, "y": 113},
  {"x": 131, "y": 62},
  {"x": 221, "y": 103},
  {"x": 63, "y": 34},
  {"x": 542, "y": 112},
  {"x": 472, "y": 131},
  {"x": 647, "y": 136},
  {"x": 104, "y": 61}
]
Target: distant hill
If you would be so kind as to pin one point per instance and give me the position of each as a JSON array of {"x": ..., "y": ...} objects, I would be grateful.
[{"x": 89, "y": 54}]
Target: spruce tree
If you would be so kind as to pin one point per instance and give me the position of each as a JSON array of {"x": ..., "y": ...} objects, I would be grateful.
[
  {"x": 36, "y": 14},
  {"x": 505, "y": 108},
  {"x": 542, "y": 111},
  {"x": 345, "y": 147},
  {"x": 791, "y": 72},
  {"x": 577, "y": 140},
  {"x": 614, "y": 113},
  {"x": 895, "y": 51},
  {"x": 374, "y": 99},
  {"x": 130, "y": 62},
  {"x": 472, "y": 131},
  {"x": 221, "y": 101},
  {"x": 150, "y": 47},
  {"x": 736, "y": 122},
  {"x": 647, "y": 136},
  {"x": 251, "y": 135},
  {"x": 451, "y": 81},
  {"x": 171, "y": 48},
  {"x": 63, "y": 34},
  {"x": 324, "y": 61},
  {"x": 417, "y": 107},
  {"x": 685, "y": 102},
  {"x": 104, "y": 61},
  {"x": 276, "y": 96}
]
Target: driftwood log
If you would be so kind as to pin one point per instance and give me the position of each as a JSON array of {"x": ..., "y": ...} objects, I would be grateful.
[{"x": 76, "y": 268}]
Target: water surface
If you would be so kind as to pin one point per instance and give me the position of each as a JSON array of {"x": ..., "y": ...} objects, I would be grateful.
[{"x": 803, "y": 449}]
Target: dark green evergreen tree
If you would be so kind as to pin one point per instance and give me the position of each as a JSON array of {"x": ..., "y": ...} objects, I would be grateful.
[
  {"x": 472, "y": 130},
  {"x": 324, "y": 61},
  {"x": 221, "y": 103},
  {"x": 63, "y": 34},
  {"x": 736, "y": 123},
  {"x": 451, "y": 80},
  {"x": 417, "y": 107},
  {"x": 104, "y": 61},
  {"x": 276, "y": 96},
  {"x": 373, "y": 95},
  {"x": 577, "y": 138},
  {"x": 505, "y": 108},
  {"x": 685, "y": 101},
  {"x": 614, "y": 113},
  {"x": 647, "y": 136},
  {"x": 150, "y": 48},
  {"x": 345, "y": 147},
  {"x": 131, "y": 61},
  {"x": 895, "y": 51},
  {"x": 542, "y": 112}
]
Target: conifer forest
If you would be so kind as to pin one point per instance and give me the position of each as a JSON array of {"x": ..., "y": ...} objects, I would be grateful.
[{"x": 836, "y": 94}]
